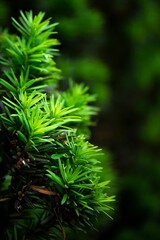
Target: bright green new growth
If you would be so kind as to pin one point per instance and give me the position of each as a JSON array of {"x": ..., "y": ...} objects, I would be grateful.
[{"x": 51, "y": 177}]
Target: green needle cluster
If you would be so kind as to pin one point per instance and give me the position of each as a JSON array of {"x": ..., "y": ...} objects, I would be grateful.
[{"x": 50, "y": 175}]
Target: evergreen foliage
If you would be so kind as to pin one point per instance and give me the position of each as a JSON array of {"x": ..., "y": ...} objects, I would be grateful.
[{"x": 50, "y": 175}]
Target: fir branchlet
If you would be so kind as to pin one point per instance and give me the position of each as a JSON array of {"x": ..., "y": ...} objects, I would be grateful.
[{"x": 50, "y": 176}]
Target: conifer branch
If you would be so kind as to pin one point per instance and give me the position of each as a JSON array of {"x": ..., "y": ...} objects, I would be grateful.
[{"x": 51, "y": 173}]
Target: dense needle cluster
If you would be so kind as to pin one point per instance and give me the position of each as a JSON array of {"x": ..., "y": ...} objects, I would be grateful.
[{"x": 49, "y": 172}]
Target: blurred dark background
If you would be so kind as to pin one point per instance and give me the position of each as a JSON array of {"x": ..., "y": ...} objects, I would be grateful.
[{"x": 114, "y": 47}]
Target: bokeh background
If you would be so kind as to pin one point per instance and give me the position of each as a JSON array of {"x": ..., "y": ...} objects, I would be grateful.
[{"x": 114, "y": 47}]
